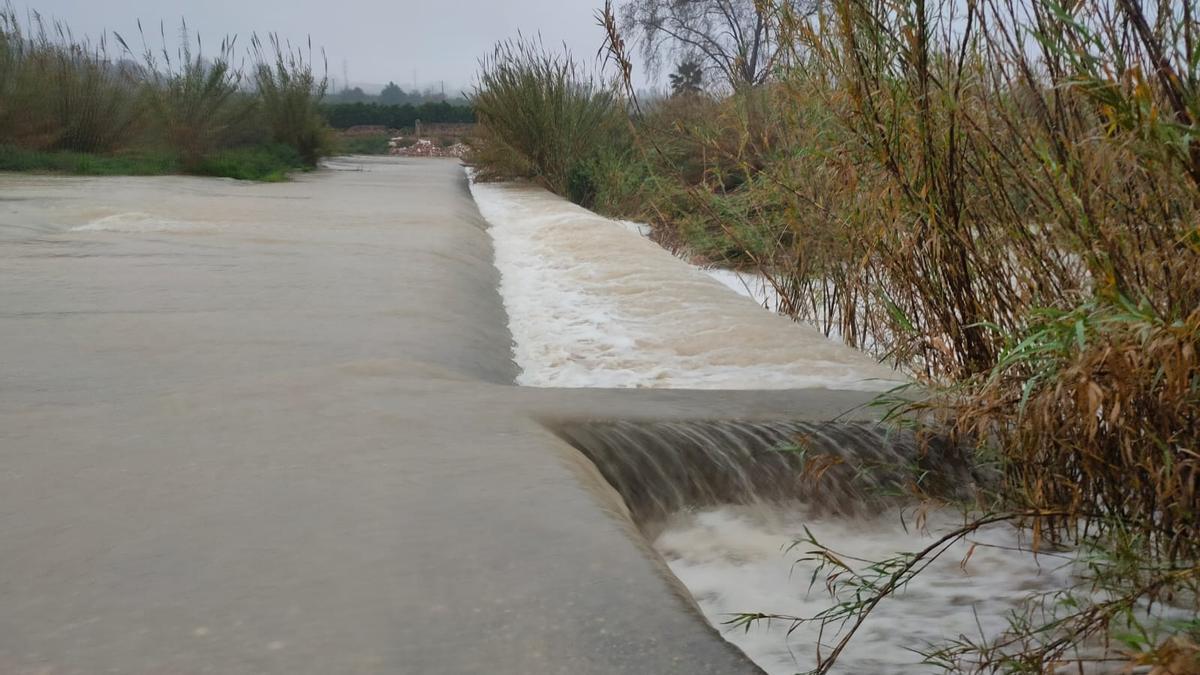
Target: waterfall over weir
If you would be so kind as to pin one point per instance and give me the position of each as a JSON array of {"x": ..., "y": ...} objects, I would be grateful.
[
  {"x": 729, "y": 490},
  {"x": 730, "y": 505},
  {"x": 835, "y": 468}
]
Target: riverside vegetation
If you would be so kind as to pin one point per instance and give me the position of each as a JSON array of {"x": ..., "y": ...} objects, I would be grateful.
[
  {"x": 72, "y": 105},
  {"x": 1000, "y": 198}
]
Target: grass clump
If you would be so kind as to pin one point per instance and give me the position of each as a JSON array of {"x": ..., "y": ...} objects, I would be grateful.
[
  {"x": 13, "y": 158},
  {"x": 269, "y": 163},
  {"x": 361, "y": 144}
]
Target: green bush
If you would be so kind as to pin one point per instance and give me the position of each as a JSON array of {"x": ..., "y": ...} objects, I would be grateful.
[
  {"x": 608, "y": 180},
  {"x": 362, "y": 144},
  {"x": 13, "y": 158},
  {"x": 261, "y": 163}
]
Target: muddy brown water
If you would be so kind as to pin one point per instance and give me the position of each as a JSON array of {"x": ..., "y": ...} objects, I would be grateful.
[{"x": 253, "y": 428}]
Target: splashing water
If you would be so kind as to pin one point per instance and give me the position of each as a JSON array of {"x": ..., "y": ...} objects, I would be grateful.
[
  {"x": 737, "y": 559},
  {"x": 139, "y": 222},
  {"x": 724, "y": 502}
]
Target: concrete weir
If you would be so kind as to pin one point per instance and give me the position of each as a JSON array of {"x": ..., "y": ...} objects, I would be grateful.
[{"x": 271, "y": 429}]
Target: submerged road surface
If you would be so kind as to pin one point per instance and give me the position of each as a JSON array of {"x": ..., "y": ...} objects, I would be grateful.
[{"x": 272, "y": 429}]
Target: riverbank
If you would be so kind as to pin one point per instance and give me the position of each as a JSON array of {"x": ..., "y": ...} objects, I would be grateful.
[
  {"x": 731, "y": 504},
  {"x": 69, "y": 105},
  {"x": 265, "y": 163},
  {"x": 1009, "y": 227}
]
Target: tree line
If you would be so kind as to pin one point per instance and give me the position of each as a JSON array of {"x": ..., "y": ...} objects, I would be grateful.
[{"x": 346, "y": 115}]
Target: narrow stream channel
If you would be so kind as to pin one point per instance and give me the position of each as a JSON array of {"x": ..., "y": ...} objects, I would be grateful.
[{"x": 592, "y": 304}]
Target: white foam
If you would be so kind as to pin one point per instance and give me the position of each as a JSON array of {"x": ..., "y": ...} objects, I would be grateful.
[
  {"x": 746, "y": 284},
  {"x": 640, "y": 229},
  {"x": 749, "y": 285},
  {"x": 735, "y": 560},
  {"x": 592, "y": 304},
  {"x": 136, "y": 222}
]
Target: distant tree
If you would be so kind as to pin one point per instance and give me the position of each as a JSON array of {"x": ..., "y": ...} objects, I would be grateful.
[
  {"x": 345, "y": 115},
  {"x": 734, "y": 38},
  {"x": 688, "y": 78},
  {"x": 432, "y": 94},
  {"x": 392, "y": 94},
  {"x": 355, "y": 95}
]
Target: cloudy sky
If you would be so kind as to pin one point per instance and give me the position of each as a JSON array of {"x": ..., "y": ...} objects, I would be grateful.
[{"x": 379, "y": 40}]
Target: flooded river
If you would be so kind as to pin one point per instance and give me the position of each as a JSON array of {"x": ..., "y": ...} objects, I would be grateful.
[{"x": 250, "y": 428}]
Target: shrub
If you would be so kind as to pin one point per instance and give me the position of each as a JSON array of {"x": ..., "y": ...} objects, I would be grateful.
[
  {"x": 13, "y": 158},
  {"x": 262, "y": 163},
  {"x": 362, "y": 144}
]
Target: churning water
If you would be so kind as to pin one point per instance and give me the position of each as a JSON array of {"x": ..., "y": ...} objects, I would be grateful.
[
  {"x": 140, "y": 222},
  {"x": 726, "y": 503},
  {"x": 740, "y": 559},
  {"x": 592, "y": 304}
]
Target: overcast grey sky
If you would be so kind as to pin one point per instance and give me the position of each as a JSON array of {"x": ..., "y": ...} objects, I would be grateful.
[{"x": 380, "y": 40}]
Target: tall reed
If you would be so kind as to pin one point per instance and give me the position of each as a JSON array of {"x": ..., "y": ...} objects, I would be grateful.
[
  {"x": 179, "y": 109},
  {"x": 61, "y": 92},
  {"x": 541, "y": 116},
  {"x": 194, "y": 100},
  {"x": 1002, "y": 198},
  {"x": 290, "y": 93},
  {"x": 1031, "y": 238}
]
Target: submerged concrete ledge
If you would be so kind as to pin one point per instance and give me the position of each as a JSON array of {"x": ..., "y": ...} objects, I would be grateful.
[{"x": 268, "y": 429}]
